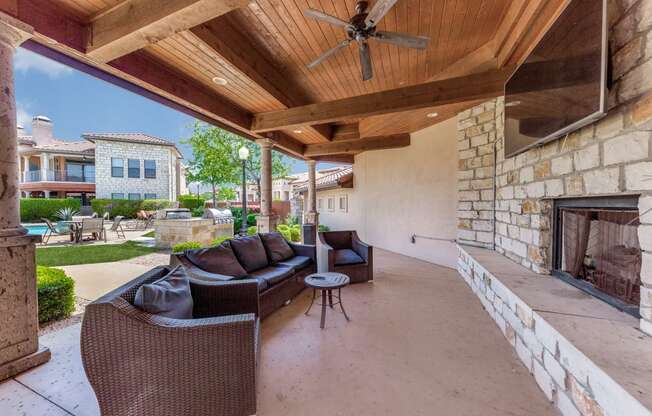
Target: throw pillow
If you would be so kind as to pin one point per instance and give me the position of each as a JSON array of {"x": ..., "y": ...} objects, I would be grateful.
[
  {"x": 277, "y": 247},
  {"x": 250, "y": 252},
  {"x": 220, "y": 260},
  {"x": 169, "y": 296}
]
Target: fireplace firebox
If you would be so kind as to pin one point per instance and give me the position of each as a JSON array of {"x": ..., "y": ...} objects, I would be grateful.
[{"x": 596, "y": 248}]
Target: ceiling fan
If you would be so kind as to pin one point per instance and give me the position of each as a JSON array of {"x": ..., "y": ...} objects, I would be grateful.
[{"x": 361, "y": 28}]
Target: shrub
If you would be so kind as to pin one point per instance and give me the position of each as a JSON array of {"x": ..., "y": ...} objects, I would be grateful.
[
  {"x": 324, "y": 228},
  {"x": 188, "y": 245},
  {"x": 191, "y": 201},
  {"x": 66, "y": 213},
  {"x": 283, "y": 227},
  {"x": 124, "y": 207},
  {"x": 154, "y": 204},
  {"x": 252, "y": 230},
  {"x": 33, "y": 209},
  {"x": 197, "y": 212},
  {"x": 295, "y": 234},
  {"x": 220, "y": 240},
  {"x": 286, "y": 233},
  {"x": 56, "y": 294}
]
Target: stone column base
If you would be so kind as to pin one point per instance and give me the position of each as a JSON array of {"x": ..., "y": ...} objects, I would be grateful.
[
  {"x": 267, "y": 223},
  {"x": 16, "y": 367},
  {"x": 312, "y": 217}
]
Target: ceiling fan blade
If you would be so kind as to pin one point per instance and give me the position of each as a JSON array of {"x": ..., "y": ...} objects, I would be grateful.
[
  {"x": 316, "y": 14},
  {"x": 365, "y": 62},
  {"x": 401, "y": 39},
  {"x": 379, "y": 10},
  {"x": 328, "y": 53}
]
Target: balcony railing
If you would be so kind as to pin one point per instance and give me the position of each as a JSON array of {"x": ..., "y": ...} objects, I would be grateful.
[{"x": 57, "y": 176}]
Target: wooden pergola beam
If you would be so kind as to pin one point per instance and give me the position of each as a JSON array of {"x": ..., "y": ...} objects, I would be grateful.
[
  {"x": 134, "y": 24},
  {"x": 344, "y": 158},
  {"x": 228, "y": 44},
  {"x": 484, "y": 85},
  {"x": 357, "y": 146}
]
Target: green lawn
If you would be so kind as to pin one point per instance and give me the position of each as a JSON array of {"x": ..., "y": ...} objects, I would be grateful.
[{"x": 66, "y": 256}]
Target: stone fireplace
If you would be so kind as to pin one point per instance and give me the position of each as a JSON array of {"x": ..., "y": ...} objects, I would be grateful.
[
  {"x": 579, "y": 208},
  {"x": 595, "y": 248}
]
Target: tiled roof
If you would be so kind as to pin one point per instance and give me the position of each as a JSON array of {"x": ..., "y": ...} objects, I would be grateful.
[
  {"x": 128, "y": 137},
  {"x": 60, "y": 146},
  {"x": 329, "y": 180}
]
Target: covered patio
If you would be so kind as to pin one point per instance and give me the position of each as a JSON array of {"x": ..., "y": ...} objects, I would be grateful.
[
  {"x": 418, "y": 342},
  {"x": 474, "y": 309}
]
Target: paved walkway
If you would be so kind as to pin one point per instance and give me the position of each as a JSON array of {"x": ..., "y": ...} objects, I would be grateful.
[{"x": 419, "y": 343}]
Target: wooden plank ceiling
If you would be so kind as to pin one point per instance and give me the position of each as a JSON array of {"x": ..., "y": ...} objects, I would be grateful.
[{"x": 237, "y": 62}]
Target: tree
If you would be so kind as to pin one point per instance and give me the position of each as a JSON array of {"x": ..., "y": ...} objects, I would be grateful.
[
  {"x": 213, "y": 162},
  {"x": 226, "y": 194},
  {"x": 280, "y": 164},
  {"x": 216, "y": 162}
]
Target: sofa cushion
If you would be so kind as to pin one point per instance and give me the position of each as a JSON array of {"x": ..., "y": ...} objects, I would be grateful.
[
  {"x": 273, "y": 274},
  {"x": 277, "y": 248},
  {"x": 250, "y": 252},
  {"x": 347, "y": 256},
  {"x": 220, "y": 260},
  {"x": 296, "y": 262},
  {"x": 169, "y": 296}
]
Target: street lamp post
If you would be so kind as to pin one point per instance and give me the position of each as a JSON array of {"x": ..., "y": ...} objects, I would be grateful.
[{"x": 243, "y": 153}]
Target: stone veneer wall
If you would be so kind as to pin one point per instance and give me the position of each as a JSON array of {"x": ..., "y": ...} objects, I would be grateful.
[
  {"x": 610, "y": 157},
  {"x": 566, "y": 376},
  {"x": 164, "y": 185}
]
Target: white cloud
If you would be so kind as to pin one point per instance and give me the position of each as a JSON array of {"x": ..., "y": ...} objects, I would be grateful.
[
  {"x": 23, "y": 116},
  {"x": 26, "y": 61}
]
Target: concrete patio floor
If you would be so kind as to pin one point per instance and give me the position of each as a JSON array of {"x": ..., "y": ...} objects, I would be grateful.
[{"x": 419, "y": 343}]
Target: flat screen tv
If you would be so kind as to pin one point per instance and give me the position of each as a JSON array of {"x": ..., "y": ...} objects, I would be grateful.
[{"x": 562, "y": 85}]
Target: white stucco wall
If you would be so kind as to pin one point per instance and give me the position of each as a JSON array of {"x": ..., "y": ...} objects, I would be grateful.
[
  {"x": 164, "y": 185},
  {"x": 400, "y": 192},
  {"x": 338, "y": 219}
]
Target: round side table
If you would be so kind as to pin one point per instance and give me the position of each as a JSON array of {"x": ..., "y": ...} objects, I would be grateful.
[{"x": 326, "y": 283}]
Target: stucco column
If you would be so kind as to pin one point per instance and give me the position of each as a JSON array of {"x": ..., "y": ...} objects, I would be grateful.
[
  {"x": 311, "y": 223},
  {"x": 19, "y": 348},
  {"x": 45, "y": 166},
  {"x": 25, "y": 168},
  {"x": 267, "y": 220}
]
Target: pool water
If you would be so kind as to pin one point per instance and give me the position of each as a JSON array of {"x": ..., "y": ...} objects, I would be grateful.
[{"x": 36, "y": 229}]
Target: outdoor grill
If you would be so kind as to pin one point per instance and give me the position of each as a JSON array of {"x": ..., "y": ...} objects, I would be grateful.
[
  {"x": 219, "y": 215},
  {"x": 175, "y": 214}
]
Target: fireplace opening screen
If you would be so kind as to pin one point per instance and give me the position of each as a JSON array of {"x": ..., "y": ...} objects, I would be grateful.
[{"x": 600, "y": 248}]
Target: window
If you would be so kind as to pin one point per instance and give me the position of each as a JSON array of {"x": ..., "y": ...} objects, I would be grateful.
[
  {"x": 277, "y": 195},
  {"x": 134, "y": 168},
  {"x": 117, "y": 168},
  {"x": 331, "y": 204},
  {"x": 134, "y": 197},
  {"x": 149, "y": 196},
  {"x": 117, "y": 196},
  {"x": 342, "y": 203},
  {"x": 150, "y": 169},
  {"x": 286, "y": 195},
  {"x": 320, "y": 204}
]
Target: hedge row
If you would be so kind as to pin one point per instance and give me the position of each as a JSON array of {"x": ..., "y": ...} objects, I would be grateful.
[
  {"x": 33, "y": 209},
  {"x": 56, "y": 294},
  {"x": 128, "y": 208},
  {"x": 191, "y": 202}
]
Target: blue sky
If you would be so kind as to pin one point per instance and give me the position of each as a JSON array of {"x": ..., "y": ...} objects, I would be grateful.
[{"x": 78, "y": 103}]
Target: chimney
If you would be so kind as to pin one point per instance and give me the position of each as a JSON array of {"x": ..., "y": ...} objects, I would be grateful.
[
  {"x": 20, "y": 131},
  {"x": 42, "y": 130}
]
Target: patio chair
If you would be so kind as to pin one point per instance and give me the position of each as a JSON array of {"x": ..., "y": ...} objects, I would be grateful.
[
  {"x": 117, "y": 227},
  {"x": 106, "y": 216},
  {"x": 344, "y": 252},
  {"x": 92, "y": 226},
  {"x": 144, "y": 364},
  {"x": 52, "y": 230}
]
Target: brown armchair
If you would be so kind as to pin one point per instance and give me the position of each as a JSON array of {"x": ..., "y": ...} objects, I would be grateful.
[
  {"x": 143, "y": 364},
  {"x": 345, "y": 253}
]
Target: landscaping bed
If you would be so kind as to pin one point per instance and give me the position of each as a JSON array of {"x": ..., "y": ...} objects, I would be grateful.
[{"x": 70, "y": 255}]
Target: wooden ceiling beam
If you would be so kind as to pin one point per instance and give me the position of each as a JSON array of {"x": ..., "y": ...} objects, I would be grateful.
[
  {"x": 485, "y": 85},
  {"x": 134, "y": 24},
  {"x": 357, "y": 146},
  {"x": 344, "y": 158},
  {"x": 230, "y": 45}
]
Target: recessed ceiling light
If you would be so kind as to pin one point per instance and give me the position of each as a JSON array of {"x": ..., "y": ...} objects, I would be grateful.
[
  {"x": 432, "y": 115},
  {"x": 220, "y": 81},
  {"x": 298, "y": 131},
  {"x": 512, "y": 104}
]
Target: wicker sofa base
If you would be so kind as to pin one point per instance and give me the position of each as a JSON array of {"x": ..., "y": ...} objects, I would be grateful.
[{"x": 279, "y": 294}]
